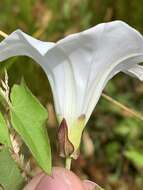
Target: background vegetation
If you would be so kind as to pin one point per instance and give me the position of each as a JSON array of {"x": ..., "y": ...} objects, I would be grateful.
[{"x": 113, "y": 136}]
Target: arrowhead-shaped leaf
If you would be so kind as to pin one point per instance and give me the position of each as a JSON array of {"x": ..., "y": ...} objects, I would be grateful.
[
  {"x": 4, "y": 134},
  {"x": 10, "y": 177},
  {"x": 28, "y": 117}
]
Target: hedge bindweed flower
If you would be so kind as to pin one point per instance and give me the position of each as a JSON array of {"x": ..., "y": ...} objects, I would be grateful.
[{"x": 78, "y": 68}]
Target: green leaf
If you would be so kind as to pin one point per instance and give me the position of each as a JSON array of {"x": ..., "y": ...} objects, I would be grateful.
[
  {"x": 136, "y": 157},
  {"x": 10, "y": 177},
  {"x": 28, "y": 117},
  {"x": 4, "y": 133}
]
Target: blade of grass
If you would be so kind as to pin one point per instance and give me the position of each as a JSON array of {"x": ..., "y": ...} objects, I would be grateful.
[
  {"x": 3, "y": 34},
  {"x": 122, "y": 106}
]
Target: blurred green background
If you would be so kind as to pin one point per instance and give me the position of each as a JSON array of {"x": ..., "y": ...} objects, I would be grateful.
[{"x": 112, "y": 151}]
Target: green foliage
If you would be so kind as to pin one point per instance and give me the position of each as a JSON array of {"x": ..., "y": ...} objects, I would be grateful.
[
  {"x": 10, "y": 177},
  {"x": 128, "y": 128},
  {"x": 112, "y": 152},
  {"x": 28, "y": 117},
  {"x": 4, "y": 134},
  {"x": 136, "y": 157}
]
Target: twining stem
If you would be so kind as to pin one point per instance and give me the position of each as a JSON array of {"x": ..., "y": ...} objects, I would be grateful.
[{"x": 68, "y": 163}]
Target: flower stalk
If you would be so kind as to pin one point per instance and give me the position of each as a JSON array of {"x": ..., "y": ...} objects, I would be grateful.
[{"x": 68, "y": 163}]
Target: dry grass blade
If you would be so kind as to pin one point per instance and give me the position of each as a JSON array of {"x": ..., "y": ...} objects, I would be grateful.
[
  {"x": 3, "y": 34},
  {"x": 122, "y": 106}
]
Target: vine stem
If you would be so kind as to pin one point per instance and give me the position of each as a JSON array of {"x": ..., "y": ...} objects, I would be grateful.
[{"x": 68, "y": 163}]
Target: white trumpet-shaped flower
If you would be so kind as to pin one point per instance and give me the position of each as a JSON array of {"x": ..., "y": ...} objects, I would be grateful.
[{"x": 78, "y": 68}]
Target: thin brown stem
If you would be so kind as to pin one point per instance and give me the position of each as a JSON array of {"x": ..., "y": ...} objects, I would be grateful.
[{"x": 129, "y": 110}]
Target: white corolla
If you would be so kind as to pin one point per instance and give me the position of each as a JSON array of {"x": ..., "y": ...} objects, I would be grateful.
[{"x": 78, "y": 68}]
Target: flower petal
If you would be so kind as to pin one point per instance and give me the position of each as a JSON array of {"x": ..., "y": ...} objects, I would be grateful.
[
  {"x": 96, "y": 55},
  {"x": 80, "y": 65},
  {"x": 114, "y": 47},
  {"x": 62, "y": 82},
  {"x": 19, "y": 43},
  {"x": 136, "y": 71}
]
